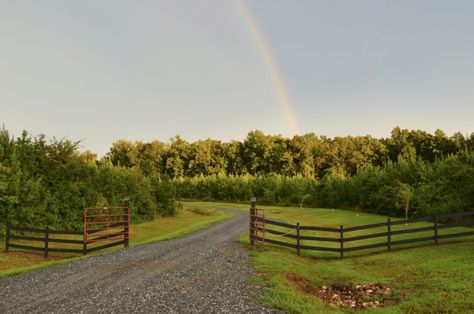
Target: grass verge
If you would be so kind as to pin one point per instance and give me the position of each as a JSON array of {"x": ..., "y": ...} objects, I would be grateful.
[{"x": 426, "y": 279}]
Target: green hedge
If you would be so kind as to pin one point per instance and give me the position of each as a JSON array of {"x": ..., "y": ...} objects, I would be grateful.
[{"x": 445, "y": 185}]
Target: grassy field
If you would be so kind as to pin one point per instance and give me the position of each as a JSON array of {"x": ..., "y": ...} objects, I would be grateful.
[
  {"x": 186, "y": 221},
  {"x": 426, "y": 278}
]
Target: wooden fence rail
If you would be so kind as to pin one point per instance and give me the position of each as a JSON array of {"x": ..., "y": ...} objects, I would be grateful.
[
  {"x": 101, "y": 224},
  {"x": 295, "y": 233},
  {"x": 45, "y": 240}
]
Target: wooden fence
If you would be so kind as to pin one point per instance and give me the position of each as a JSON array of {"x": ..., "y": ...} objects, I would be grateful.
[
  {"x": 43, "y": 236},
  {"x": 259, "y": 227},
  {"x": 45, "y": 240},
  {"x": 102, "y": 224}
]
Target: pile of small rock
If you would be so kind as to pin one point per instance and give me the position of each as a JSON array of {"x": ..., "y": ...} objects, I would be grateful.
[
  {"x": 348, "y": 295},
  {"x": 355, "y": 296}
]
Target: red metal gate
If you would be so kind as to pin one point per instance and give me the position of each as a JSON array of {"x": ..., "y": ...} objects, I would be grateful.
[{"x": 107, "y": 224}]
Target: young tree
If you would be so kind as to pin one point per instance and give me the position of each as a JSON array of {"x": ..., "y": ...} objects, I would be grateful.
[{"x": 405, "y": 195}]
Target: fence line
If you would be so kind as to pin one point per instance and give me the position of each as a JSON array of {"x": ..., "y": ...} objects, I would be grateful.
[
  {"x": 101, "y": 224},
  {"x": 254, "y": 228},
  {"x": 46, "y": 240}
]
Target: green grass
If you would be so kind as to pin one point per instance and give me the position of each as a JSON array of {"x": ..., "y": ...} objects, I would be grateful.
[
  {"x": 436, "y": 279},
  {"x": 189, "y": 220},
  {"x": 426, "y": 278},
  {"x": 18, "y": 261}
]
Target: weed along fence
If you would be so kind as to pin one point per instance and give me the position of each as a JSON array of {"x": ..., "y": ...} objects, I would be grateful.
[
  {"x": 104, "y": 227},
  {"x": 343, "y": 240}
]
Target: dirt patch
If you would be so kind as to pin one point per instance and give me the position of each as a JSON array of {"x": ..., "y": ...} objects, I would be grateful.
[
  {"x": 262, "y": 275},
  {"x": 348, "y": 295},
  {"x": 302, "y": 283}
]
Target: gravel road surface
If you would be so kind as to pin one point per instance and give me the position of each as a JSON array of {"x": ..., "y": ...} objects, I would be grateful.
[{"x": 204, "y": 272}]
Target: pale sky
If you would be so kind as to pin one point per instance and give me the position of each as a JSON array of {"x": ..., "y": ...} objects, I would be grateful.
[{"x": 142, "y": 70}]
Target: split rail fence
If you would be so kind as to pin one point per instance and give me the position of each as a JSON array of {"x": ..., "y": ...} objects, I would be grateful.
[
  {"x": 44, "y": 238},
  {"x": 260, "y": 227},
  {"x": 109, "y": 225}
]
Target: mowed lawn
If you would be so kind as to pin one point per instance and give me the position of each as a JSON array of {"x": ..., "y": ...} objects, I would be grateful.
[
  {"x": 426, "y": 278},
  {"x": 163, "y": 228}
]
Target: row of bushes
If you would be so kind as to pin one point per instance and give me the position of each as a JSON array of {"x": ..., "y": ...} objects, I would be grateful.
[
  {"x": 50, "y": 183},
  {"x": 416, "y": 188}
]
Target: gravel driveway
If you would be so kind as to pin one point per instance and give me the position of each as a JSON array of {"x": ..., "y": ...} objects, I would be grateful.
[{"x": 204, "y": 272}]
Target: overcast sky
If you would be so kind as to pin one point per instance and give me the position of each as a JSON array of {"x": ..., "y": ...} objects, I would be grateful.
[{"x": 142, "y": 70}]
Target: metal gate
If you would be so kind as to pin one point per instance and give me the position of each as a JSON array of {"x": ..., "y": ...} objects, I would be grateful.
[{"x": 106, "y": 224}]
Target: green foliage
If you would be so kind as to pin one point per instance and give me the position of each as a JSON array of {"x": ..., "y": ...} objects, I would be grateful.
[
  {"x": 309, "y": 155},
  {"x": 49, "y": 184},
  {"x": 406, "y": 188},
  {"x": 165, "y": 191},
  {"x": 271, "y": 189},
  {"x": 411, "y": 171}
]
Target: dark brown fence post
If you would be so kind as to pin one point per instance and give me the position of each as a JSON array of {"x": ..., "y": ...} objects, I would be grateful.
[
  {"x": 435, "y": 227},
  {"x": 298, "y": 238},
  {"x": 84, "y": 234},
  {"x": 84, "y": 245},
  {"x": 341, "y": 231},
  {"x": 7, "y": 237},
  {"x": 389, "y": 234},
  {"x": 46, "y": 240},
  {"x": 253, "y": 204},
  {"x": 126, "y": 229}
]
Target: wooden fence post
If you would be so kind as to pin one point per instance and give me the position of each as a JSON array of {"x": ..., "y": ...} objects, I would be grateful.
[
  {"x": 253, "y": 205},
  {"x": 126, "y": 229},
  {"x": 341, "y": 231},
  {"x": 84, "y": 245},
  {"x": 298, "y": 238},
  {"x": 435, "y": 229},
  {"x": 389, "y": 234},
  {"x": 84, "y": 234},
  {"x": 7, "y": 237},
  {"x": 46, "y": 242}
]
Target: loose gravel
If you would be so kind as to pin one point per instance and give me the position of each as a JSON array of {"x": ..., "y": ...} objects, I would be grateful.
[{"x": 204, "y": 272}]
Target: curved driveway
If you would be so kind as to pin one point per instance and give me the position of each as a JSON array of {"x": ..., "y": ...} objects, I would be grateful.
[{"x": 204, "y": 272}]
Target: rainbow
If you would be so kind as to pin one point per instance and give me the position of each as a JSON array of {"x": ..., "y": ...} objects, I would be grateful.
[{"x": 271, "y": 64}]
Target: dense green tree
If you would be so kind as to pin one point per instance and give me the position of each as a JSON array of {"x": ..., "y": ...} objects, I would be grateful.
[
  {"x": 124, "y": 153},
  {"x": 303, "y": 151},
  {"x": 234, "y": 155},
  {"x": 48, "y": 182}
]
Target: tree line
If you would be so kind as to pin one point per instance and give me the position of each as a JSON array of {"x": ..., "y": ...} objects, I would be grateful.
[
  {"x": 412, "y": 172},
  {"x": 49, "y": 182},
  {"x": 403, "y": 189},
  {"x": 309, "y": 155}
]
